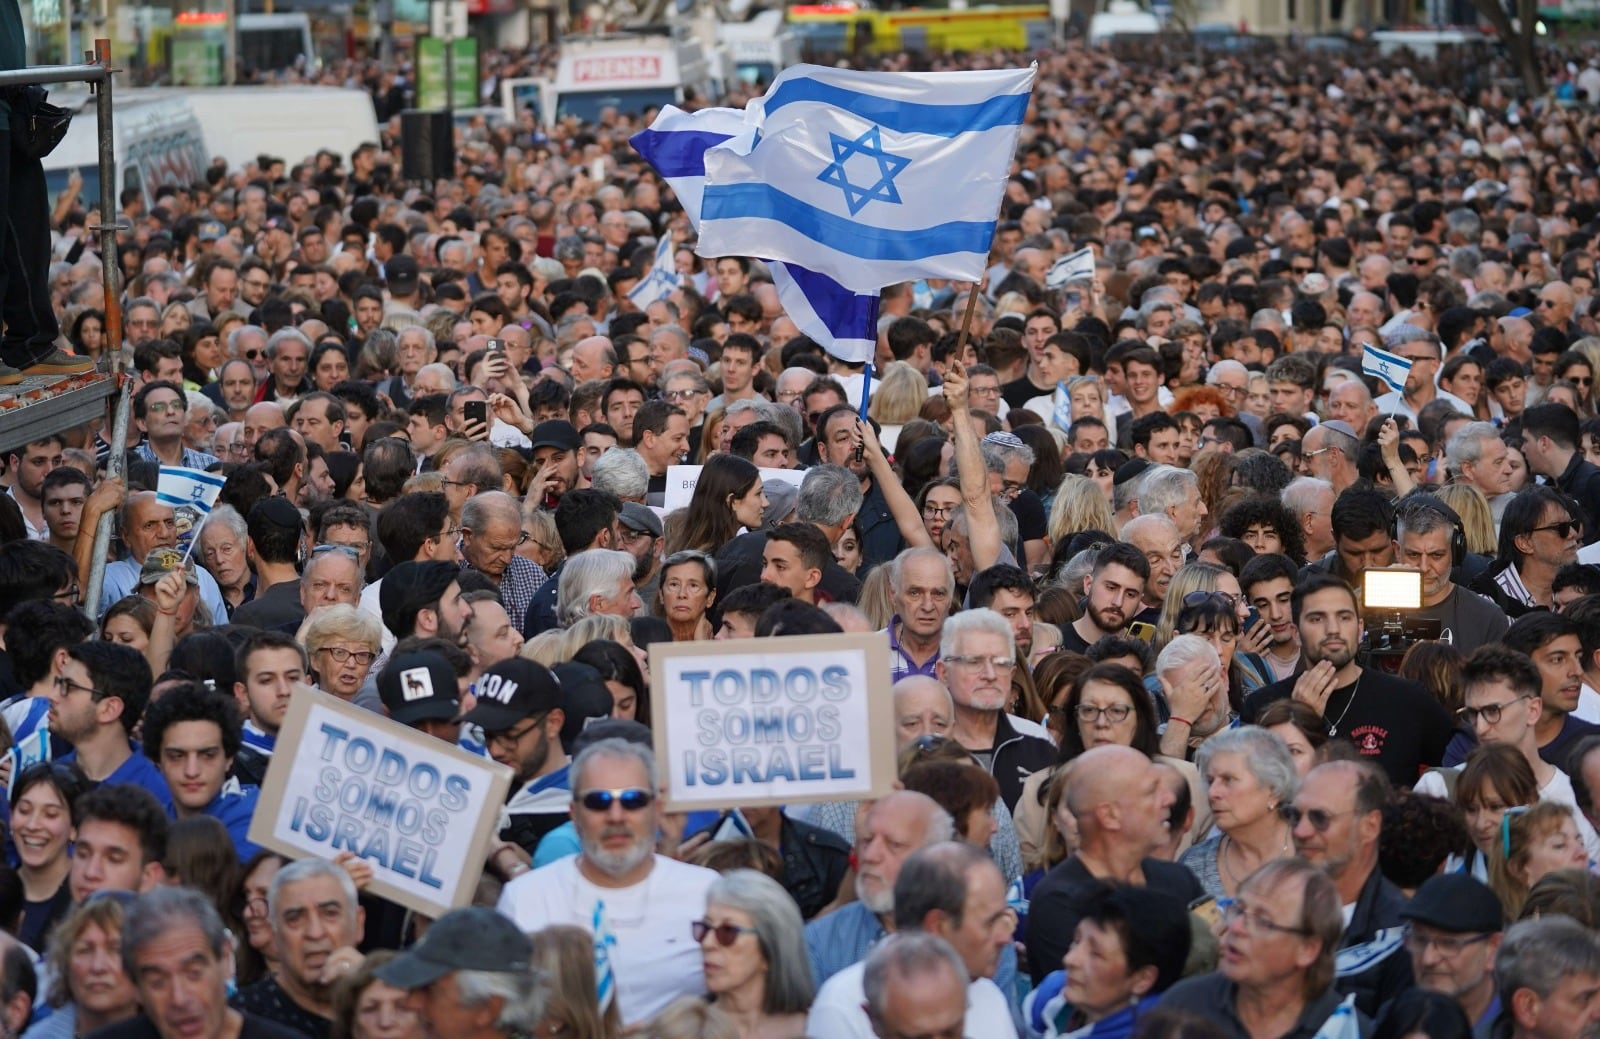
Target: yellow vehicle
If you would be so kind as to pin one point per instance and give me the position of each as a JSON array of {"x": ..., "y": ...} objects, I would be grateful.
[{"x": 845, "y": 28}]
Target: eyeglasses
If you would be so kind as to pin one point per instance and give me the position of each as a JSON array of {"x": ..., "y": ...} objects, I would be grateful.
[
  {"x": 340, "y": 655},
  {"x": 1255, "y": 921},
  {"x": 1196, "y": 598},
  {"x": 1490, "y": 713},
  {"x": 1302, "y": 270},
  {"x": 1318, "y": 451},
  {"x": 983, "y": 391},
  {"x": 1419, "y": 259},
  {"x": 162, "y": 407},
  {"x": 1421, "y": 358},
  {"x": 346, "y": 549},
  {"x": 977, "y": 662},
  {"x": 1418, "y": 943},
  {"x": 68, "y": 687},
  {"x": 1116, "y": 714},
  {"x": 633, "y": 799},
  {"x": 1319, "y": 818},
  {"x": 1562, "y": 530},
  {"x": 938, "y": 511},
  {"x": 677, "y": 396},
  {"x": 523, "y": 537},
  {"x": 726, "y": 934},
  {"x": 511, "y": 737},
  {"x": 1231, "y": 391},
  {"x": 253, "y": 355},
  {"x": 70, "y": 596},
  {"x": 1579, "y": 382}
]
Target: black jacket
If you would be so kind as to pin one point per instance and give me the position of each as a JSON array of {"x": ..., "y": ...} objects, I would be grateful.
[
  {"x": 1373, "y": 964},
  {"x": 1016, "y": 757}
]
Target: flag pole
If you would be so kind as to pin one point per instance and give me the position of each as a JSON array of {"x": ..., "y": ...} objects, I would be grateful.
[{"x": 966, "y": 320}]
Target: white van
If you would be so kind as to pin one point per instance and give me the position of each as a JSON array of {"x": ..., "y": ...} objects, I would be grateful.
[
  {"x": 1122, "y": 18},
  {"x": 156, "y": 141},
  {"x": 629, "y": 73}
]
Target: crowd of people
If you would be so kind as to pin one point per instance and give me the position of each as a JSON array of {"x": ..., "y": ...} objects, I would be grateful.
[{"x": 1162, "y": 769}]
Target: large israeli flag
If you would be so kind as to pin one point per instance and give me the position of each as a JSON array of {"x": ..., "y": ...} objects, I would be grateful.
[
  {"x": 869, "y": 178},
  {"x": 843, "y": 322},
  {"x": 1391, "y": 368}
]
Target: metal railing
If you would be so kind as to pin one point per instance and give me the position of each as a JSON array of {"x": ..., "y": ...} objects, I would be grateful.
[{"x": 98, "y": 73}]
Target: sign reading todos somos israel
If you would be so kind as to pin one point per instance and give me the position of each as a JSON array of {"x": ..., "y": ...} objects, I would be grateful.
[
  {"x": 782, "y": 721},
  {"x": 420, "y": 811}
]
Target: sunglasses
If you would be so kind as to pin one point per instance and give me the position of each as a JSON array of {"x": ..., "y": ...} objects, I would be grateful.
[
  {"x": 726, "y": 934},
  {"x": 1563, "y": 530},
  {"x": 632, "y": 799},
  {"x": 1319, "y": 818}
]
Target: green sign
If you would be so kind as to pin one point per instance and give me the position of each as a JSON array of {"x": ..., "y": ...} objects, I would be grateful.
[
  {"x": 197, "y": 61},
  {"x": 431, "y": 93}
]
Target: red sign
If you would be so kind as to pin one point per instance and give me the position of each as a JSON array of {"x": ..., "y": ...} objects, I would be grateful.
[{"x": 617, "y": 67}]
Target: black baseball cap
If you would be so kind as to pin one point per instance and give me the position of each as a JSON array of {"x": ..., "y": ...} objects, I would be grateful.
[
  {"x": 556, "y": 433},
  {"x": 512, "y": 690},
  {"x": 474, "y": 938},
  {"x": 419, "y": 687},
  {"x": 1456, "y": 902},
  {"x": 401, "y": 274}
]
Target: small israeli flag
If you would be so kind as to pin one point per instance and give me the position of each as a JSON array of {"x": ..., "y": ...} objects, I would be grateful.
[
  {"x": 1392, "y": 369},
  {"x": 605, "y": 944},
  {"x": 190, "y": 493},
  {"x": 661, "y": 280}
]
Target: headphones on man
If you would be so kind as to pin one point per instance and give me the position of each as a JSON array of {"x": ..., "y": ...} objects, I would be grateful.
[{"x": 1415, "y": 502}]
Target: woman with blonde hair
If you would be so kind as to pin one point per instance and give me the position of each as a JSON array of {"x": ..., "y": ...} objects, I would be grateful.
[
  {"x": 690, "y": 1017},
  {"x": 1087, "y": 397},
  {"x": 1079, "y": 506},
  {"x": 544, "y": 540},
  {"x": 343, "y": 642},
  {"x": 88, "y": 988},
  {"x": 1477, "y": 518},
  {"x": 896, "y": 400},
  {"x": 566, "y": 956},
  {"x": 1534, "y": 841},
  {"x": 545, "y": 648}
]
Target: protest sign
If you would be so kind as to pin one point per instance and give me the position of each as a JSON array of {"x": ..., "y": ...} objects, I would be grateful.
[
  {"x": 420, "y": 811},
  {"x": 681, "y": 480},
  {"x": 779, "y": 721}
]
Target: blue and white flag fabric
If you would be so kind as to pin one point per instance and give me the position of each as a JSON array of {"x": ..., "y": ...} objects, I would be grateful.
[
  {"x": 842, "y": 322},
  {"x": 191, "y": 493},
  {"x": 869, "y": 178},
  {"x": 1392, "y": 369},
  {"x": 605, "y": 946},
  {"x": 661, "y": 280}
]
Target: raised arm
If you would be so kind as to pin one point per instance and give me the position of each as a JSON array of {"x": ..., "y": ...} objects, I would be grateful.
[
  {"x": 904, "y": 510},
  {"x": 983, "y": 526}
]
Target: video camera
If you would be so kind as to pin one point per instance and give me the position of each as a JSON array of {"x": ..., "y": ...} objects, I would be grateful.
[{"x": 1390, "y": 596}]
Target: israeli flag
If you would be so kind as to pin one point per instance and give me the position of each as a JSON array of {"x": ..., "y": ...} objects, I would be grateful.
[
  {"x": 661, "y": 280},
  {"x": 1392, "y": 369},
  {"x": 870, "y": 178},
  {"x": 190, "y": 493},
  {"x": 605, "y": 947},
  {"x": 843, "y": 322}
]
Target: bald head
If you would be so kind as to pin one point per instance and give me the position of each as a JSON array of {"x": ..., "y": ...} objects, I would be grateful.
[
  {"x": 1100, "y": 775},
  {"x": 922, "y": 707},
  {"x": 593, "y": 358}
]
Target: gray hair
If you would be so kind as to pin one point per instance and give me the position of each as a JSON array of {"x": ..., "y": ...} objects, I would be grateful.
[
  {"x": 780, "y": 931},
  {"x": 674, "y": 332},
  {"x": 1303, "y": 492},
  {"x": 905, "y": 955},
  {"x": 282, "y": 336},
  {"x": 829, "y": 495},
  {"x": 981, "y": 620},
  {"x": 614, "y": 749},
  {"x": 481, "y": 509},
  {"x": 997, "y": 456},
  {"x": 1185, "y": 651},
  {"x": 1126, "y": 493},
  {"x": 421, "y": 330},
  {"x": 786, "y": 417},
  {"x": 444, "y": 372},
  {"x": 154, "y": 914},
  {"x": 309, "y": 869},
  {"x": 228, "y": 516},
  {"x": 1467, "y": 445},
  {"x": 898, "y": 563},
  {"x": 523, "y": 994},
  {"x": 1002, "y": 515},
  {"x": 1227, "y": 367},
  {"x": 935, "y": 877},
  {"x": 599, "y": 571},
  {"x": 1074, "y": 570},
  {"x": 335, "y": 552},
  {"x": 234, "y": 349},
  {"x": 1165, "y": 487},
  {"x": 621, "y": 472},
  {"x": 746, "y": 404},
  {"x": 1537, "y": 954},
  {"x": 1340, "y": 441},
  {"x": 1263, "y": 752}
]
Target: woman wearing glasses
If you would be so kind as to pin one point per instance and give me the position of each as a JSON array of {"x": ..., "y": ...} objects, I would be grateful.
[
  {"x": 1249, "y": 775},
  {"x": 42, "y": 801},
  {"x": 753, "y": 952},
  {"x": 688, "y": 588},
  {"x": 343, "y": 641},
  {"x": 727, "y": 496}
]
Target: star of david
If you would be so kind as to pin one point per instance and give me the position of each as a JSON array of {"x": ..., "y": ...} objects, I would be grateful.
[{"x": 870, "y": 145}]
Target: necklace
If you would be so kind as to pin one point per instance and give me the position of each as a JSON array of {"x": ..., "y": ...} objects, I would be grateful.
[
  {"x": 1228, "y": 843},
  {"x": 1333, "y": 728}
]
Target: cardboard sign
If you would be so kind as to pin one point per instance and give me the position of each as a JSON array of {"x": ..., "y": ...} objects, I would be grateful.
[
  {"x": 774, "y": 721},
  {"x": 419, "y": 810},
  {"x": 681, "y": 480}
]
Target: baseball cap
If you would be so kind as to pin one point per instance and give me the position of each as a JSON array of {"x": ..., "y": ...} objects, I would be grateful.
[
  {"x": 474, "y": 938},
  {"x": 639, "y": 518},
  {"x": 1455, "y": 902},
  {"x": 556, "y": 433},
  {"x": 211, "y": 230},
  {"x": 408, "y": 588},
  {"x": 510, "y": 691},
  {"x": 418, "y": 687},
  {"x": 584, "y": 697},
  {"x": 401, "y": 274},
  {"x": 161, "y": 562}
]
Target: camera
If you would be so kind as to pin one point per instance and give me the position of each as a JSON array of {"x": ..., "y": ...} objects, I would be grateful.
[{"x": 1390, "y": 599}]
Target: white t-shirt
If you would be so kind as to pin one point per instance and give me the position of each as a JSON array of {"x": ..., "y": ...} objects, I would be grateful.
[
  {"x": 657, "y": 960},
  {"x": 838, "y": 1013},
  {"x": 1557, "y": 791}
]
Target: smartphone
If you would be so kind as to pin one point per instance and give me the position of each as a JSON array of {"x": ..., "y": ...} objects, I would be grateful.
[
  {"x": 476, "y": 411},
  {"x": 496, "y": 346},
  {"x": 1142, "y": 631},
  {"x": 1073, "y": 300},
  {"x": 1252, "y": 619}
]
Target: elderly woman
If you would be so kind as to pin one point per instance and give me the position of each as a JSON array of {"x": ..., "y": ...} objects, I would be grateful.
[
  {"x": 89, "y": 989},
  {"x": 753, "y": 952},
  {"x": 1128, "y": 949},
  {"x": 1279, "y": 939},
  {"x": 343, "y": 642},
  {"x": 1248, "y": 774},
  {"x": 688, "y": 588}
]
